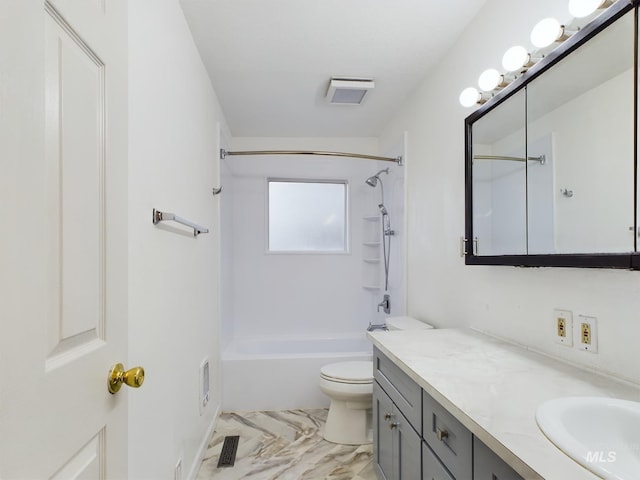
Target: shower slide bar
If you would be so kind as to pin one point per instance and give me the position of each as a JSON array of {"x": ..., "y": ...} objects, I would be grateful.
[
  {"x": 541, "y": 159},
  {"x": 224, "y": 153},
  {"x": 159, "y": 216}
]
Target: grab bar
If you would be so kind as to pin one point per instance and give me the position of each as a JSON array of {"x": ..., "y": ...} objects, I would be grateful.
[{"x": 159, "y": 216}]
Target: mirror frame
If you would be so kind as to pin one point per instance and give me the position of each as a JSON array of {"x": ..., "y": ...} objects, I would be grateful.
[{"x": 627, "y": 260}]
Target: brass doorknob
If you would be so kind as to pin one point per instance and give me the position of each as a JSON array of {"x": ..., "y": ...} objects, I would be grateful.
[{"x": 133, "y": 377}]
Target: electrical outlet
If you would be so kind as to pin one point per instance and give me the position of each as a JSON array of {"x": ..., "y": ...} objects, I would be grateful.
[
  {"x": 587, "y": 334},
  {"x": 563, "y": 325}
]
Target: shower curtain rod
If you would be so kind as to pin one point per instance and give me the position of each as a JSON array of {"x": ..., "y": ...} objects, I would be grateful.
[{"x": 224, "y": 153}]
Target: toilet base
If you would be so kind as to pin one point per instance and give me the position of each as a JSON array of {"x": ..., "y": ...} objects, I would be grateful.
[{"x": 347, "y": 425}]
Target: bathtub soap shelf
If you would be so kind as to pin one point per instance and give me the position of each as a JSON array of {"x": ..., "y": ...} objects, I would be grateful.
[{"x": 371, "y": 252}]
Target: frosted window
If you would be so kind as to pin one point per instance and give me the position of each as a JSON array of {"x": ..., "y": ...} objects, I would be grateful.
[{"x": 307, "y": 216}]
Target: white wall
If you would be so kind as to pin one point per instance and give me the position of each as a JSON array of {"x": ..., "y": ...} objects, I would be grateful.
[
  {"x": 510, "y": 302},
  {"x": 173, "y": 278},
  {"x": 299, "y": 294}
]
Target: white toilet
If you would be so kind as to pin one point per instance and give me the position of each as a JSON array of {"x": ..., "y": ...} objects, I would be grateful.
[{"x": 350, "y": 387}]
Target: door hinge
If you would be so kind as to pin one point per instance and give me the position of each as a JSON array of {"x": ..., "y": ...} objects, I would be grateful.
[{"x": 463, "y": 246}]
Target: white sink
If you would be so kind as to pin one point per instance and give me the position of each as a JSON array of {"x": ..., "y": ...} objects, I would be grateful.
[{"x": 601, "y": 434}]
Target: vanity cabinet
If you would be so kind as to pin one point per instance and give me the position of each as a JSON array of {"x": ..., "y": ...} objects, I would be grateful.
[
  {"x": 417, "y": 438},
  {"x": 396, "y": 444},
  {"x": 448, "y": 439},
  {"x": 397, "y": 422},
  {"x": 488, "y": 466}
]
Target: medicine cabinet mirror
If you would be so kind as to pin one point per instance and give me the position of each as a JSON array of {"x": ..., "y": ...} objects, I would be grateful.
[{"x": 551, "y": 159}]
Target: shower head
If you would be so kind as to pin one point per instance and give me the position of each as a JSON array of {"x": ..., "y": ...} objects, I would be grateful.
[
  {"x": 382, "y": 208},
  {"x": 372, "y": 181}
]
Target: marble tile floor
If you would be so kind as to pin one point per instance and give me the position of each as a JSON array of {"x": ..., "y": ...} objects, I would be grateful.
[{"x": 284, "y": 445}]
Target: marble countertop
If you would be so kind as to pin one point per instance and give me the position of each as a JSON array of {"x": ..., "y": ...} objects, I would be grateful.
[{"x": 494, "y": 389}]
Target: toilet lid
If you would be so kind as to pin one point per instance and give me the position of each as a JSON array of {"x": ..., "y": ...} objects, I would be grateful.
[{"x": 348, "y": 372}]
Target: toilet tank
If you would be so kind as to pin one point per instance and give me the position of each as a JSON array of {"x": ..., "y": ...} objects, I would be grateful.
[{"x": 406, "y": 323}]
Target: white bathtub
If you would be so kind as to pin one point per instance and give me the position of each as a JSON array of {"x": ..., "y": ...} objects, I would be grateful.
[{"x": 277, "y": 373}]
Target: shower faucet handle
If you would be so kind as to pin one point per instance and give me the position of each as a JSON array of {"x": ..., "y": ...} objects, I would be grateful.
[{"x": 385, "y": 303}]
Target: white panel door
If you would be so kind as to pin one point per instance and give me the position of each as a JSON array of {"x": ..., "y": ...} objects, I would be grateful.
[{"x": 63, "y": 310}]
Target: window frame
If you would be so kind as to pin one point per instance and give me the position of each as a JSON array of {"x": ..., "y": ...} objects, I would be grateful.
[{"x": 347, "y": 216}]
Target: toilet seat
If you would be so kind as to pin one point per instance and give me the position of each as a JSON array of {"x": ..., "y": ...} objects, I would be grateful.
[{"x": 357, "y": 373}]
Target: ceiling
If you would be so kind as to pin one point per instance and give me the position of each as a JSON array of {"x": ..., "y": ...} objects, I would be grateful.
[{"x": 270, "y": 61}]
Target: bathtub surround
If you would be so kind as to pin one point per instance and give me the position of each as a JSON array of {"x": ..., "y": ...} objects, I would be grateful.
[
  {"x": 299, "y": 296},
  {"x": 284, "y": 445},
  {"x": 509, "y": 302},
  {"x": 173, "y": 281},
  {"x": 280, "y": 372}
]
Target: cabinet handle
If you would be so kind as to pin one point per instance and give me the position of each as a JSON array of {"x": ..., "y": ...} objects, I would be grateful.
[
  {"x": 393, "y": 425},
  {"x": 387, "y": 416},
  {"x": 441, "y": 434}
]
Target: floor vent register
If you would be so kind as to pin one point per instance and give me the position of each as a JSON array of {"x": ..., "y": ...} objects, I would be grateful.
[{"x": 229, "y": 450}]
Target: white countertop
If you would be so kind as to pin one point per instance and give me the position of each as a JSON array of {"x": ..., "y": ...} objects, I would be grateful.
[{"x": 494, "y": 389}]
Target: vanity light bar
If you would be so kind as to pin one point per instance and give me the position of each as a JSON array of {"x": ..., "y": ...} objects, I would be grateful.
[
  {"x": 517, "y": 59},
  {"x": 584, "y": 8},
  {"x": 491, "y": 79},
  {"x": 471, "y": 96},
  {"x": 549, "y": 31}
]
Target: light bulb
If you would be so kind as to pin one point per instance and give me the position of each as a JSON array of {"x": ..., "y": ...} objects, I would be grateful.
[
  {"x": 490, "y": 79},
  {"x": 546, "y": 32},
  {"x": 515, "y": 58},
  {"x": 584, "y": 8},
  {"x": 469, "y": 97}
]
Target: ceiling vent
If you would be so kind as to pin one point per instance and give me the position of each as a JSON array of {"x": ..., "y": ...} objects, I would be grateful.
[{"x": 348, "y": 91}]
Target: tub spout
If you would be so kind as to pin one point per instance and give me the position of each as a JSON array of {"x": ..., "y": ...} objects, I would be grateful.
[{"x": 377, "y": 326}]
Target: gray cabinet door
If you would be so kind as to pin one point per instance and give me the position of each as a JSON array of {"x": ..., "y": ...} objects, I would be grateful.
[
  {"x": 396, "y": 445},
  {"x": 432, "y": 469},
  {"x": 383, "y": 410},
  {"x": 407, "y": 448},
  {"x": 488, "y": 466}
]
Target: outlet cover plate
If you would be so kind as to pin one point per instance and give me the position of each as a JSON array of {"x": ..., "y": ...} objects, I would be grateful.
[
  {"x": 589, "y": 344},
  {"x": 204, "y": 385},
  {"x": 563, "y": 322}
]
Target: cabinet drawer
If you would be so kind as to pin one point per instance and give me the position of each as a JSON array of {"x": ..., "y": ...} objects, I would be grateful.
[
  {"x": 489, "y": 466},
  {"x": 447, "y": 437},
  {"x": 432, "y": 469},
  {"x": 405, "y": 392}
]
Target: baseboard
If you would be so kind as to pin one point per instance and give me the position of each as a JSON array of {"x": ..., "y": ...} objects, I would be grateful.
[{"x": 195, "y": 467}]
